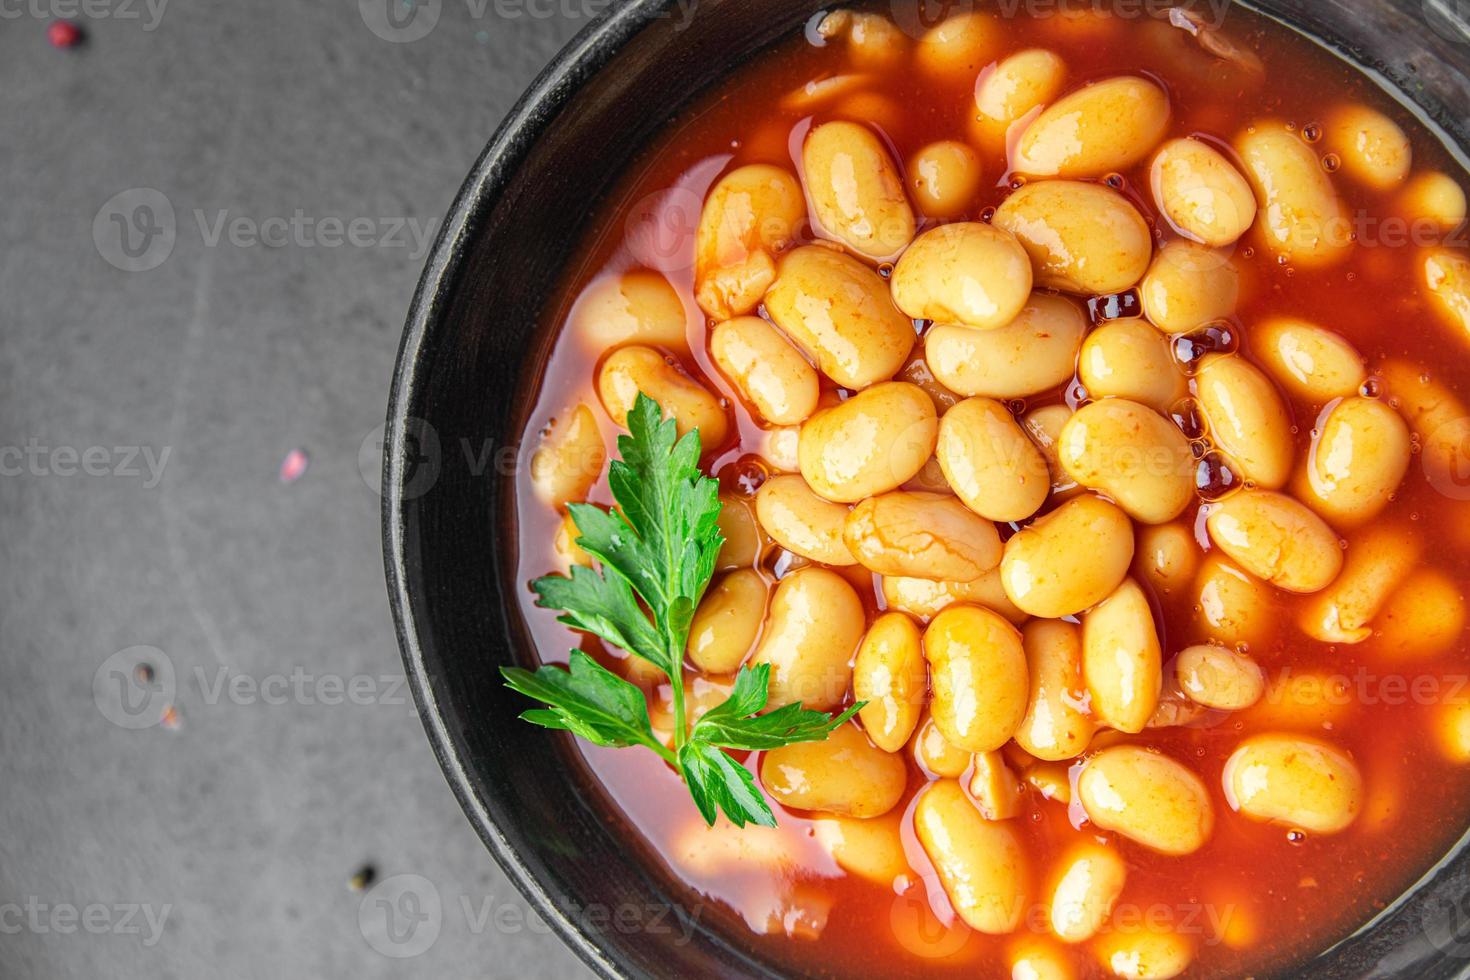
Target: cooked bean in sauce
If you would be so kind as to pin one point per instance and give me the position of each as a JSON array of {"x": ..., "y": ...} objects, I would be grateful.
[{"x": 1087, "y": 396}]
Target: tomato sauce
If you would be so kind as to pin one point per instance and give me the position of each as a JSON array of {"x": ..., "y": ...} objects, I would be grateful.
[{"x": 1257, "y": 898}]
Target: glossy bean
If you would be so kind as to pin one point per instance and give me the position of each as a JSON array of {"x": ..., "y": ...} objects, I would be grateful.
[
  {"x": 1447, "y": 277},
  {"x": 1033, "y": 353},
  {"x": 1357, "y": 461},
  {"x": 873, "y": 41},
  {"x": 727, "y": 622},
  {"x": 944, "y": 178},
  {"x": 1275, "y": 538},
  {"x": 1122, "y": 663},
  {"x": 1082, "y": 238},
  {"x": 1189, "y": 285},
  {"x": 1055, "y": 726},
  {"x": 977, "y": 673},
  {"x": 870, "y": 848},
  {"x": 980, "y": 863},
  {"x": 568, "y": 552},
  {"x": 890, "y": 673},
  {"x": 770, "y": 374},
  {"x": 856, "y": 190},
  {"x": 1373, "y": 149},
  {"x": 1200, "y": 191},
  {"x": 1012, "y": 89},
  {"x": 744, "y": 540},
  {"x": 1148, "y": 798},
  {"x": 569, "y": 460},
  {"x": 748, "y": 217},
  {"x": 1047, "y": 575},
  {"x": 1378, "y": 560},
  {"x": 1101, "y": 128},
  {"x": 1217, "y": 677},
  {"x": 1435, "y": 200},
  {"x": 990, "y": 463},
  {"x": 1032, "y": 957},
  {"x": 838, "y": 311},
  {"x": 844, "y": 774},
  {"x": 994, "y": 787},
  {"x": 921, "y": 535},
  {"x": 936, "y": 754},
  {"x": 814, "y": 627},
  {"x": 968, "y": 273},
  {"x": 1129, "y": 358},
  {"x": 1312, "y": 363},
  {"x": 635, "y": 369},
  {"x": 1131, "y": 453},
  {"x": 1167, "y": 556},
  {"x": 874, "y": 442},
  {"x": 1145, "y": 954},
  {"x": 802, "y": 522},
  {"x": 1231, "y": 606},
  {"x": 635, "y": 307},
  {"x": 1086, "y": 885},
  {"x": 1302, "y": 220},
  {"x": 1299, "y": 782},
  {"x": 1247, "y": 417},
  {"x": 959, "y": 46}
]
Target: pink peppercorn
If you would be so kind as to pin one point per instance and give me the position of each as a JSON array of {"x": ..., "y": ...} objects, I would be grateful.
[{"x": 63, "y": 34}]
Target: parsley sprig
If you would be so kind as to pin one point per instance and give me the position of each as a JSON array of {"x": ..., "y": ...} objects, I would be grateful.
[{"x": 659, "y": 545}]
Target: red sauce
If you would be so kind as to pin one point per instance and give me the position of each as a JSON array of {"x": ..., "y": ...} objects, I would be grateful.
[{"x": 1253, "y": 898}]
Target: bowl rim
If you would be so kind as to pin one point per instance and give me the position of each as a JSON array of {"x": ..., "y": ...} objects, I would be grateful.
[{"x": 537, "y": 109}]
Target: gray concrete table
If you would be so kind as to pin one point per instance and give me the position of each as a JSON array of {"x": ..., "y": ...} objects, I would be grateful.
[{"x": 215, "y": 212}]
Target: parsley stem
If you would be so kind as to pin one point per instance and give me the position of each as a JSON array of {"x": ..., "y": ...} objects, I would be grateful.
[
  {"x": 676, "y": 683},
  {"x": 664, "y": 753}
]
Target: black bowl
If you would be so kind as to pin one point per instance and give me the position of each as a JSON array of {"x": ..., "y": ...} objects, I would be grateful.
[{"x": 475, "y": 341}]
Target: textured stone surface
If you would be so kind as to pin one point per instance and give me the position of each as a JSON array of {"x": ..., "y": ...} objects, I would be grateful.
[{"x": 243, "y": 825}]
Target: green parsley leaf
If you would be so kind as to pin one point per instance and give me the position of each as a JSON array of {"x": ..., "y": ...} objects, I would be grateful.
[
  {"x": 716, "y": 780},
  {"x": 588, "y": 700},
  {"x": 657, "y": 550},
  {"x": 729, "y": 724}
]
